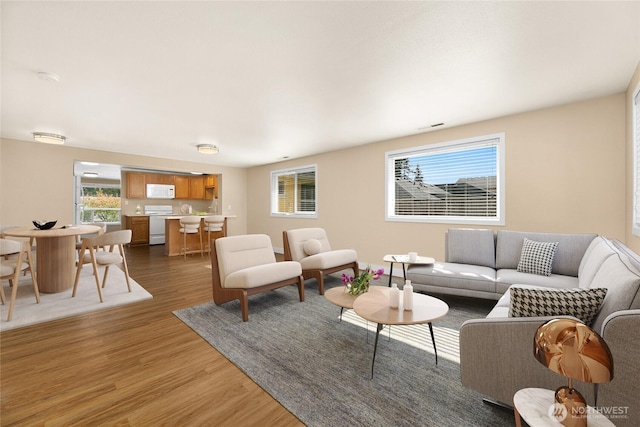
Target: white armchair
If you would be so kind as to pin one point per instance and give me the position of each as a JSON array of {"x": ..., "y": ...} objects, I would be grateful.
[
  {"x": 246, "y": 265},
  {"x": 311, "y": 248}
]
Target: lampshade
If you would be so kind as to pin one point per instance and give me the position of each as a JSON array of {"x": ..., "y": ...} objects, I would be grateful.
[
  {"x": 49, "y": 138},
  {"x": 207, "y": 149},
  {"x": 571, "y": 348}
]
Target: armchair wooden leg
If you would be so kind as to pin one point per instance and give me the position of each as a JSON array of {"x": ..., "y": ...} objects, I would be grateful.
[{"x": 244, "y": 305}]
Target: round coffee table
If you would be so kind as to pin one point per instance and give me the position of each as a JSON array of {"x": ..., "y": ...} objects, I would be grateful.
[
  {"x": 374, "y": 306},
  {"x": 340, "y": 297}
]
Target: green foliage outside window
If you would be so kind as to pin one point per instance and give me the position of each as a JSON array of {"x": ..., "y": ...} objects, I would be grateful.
[{"x": 101, "y": 204}]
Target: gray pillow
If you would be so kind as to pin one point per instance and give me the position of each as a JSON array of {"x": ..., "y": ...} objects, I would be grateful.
[
  {"x": 583, "y": 304},
  {"x": 537, "y": 257}
]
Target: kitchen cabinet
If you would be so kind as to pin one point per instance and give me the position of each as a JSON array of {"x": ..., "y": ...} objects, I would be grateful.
[
  {"x": 160, "y": 178},
  {"x": 182, "y": 186},
  {"x": 139, "y": 226},
  {"x": 196, "y": 187},
  {"x": 136, "y": 185},
  {"x": 211, "y": 187},
  {"x": 210, "y": 181}
]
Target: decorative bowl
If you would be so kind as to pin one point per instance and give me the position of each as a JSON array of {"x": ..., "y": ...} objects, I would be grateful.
[{"x": 44, "y": 225}]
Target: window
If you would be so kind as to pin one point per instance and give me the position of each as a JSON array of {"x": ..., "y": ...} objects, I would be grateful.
[
  {"x": 293, "y": 192},
  {"x": 459, "y": 182},
  {"x": 100, "y": 203},
  {"x": 636, "y": 162}
]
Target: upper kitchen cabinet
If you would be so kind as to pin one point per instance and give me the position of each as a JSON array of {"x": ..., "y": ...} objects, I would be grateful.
[
  {"x": 196, "y": 187},
  {"x": 211, "y": 187},
  {"x": 136, "y": 185},
  {"x": 182, "y": 186},
  {"x": 160, "y": 178}
]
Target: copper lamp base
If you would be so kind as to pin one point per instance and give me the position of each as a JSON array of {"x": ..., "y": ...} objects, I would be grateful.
[{"x": 575, "y": 405}]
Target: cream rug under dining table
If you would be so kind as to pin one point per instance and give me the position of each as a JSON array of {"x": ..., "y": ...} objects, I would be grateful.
[{"x": 59, "y": 305}]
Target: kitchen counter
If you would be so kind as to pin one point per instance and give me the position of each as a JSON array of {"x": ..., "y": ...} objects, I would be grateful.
[{"x": 174, "y": 239}]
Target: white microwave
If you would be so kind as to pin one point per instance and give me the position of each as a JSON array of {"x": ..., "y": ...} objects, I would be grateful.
[{"x": 161, "y": 191}]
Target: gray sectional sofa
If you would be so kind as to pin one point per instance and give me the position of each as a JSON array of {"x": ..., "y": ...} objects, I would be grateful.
[
  {"x": 496, "y": 352},
  {"x": 482, "y": 264}
]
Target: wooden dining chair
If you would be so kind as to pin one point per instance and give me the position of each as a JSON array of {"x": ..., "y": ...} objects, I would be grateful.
[
  {"x": 11, "y": 267},
  {"x": 79, "y": 237},
  {"x": 101, "y": 250}
]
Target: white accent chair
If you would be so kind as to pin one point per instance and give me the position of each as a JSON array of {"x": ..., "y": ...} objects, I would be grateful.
[
  {"x": 11, "y": 267},
  {"x": 311, "y": 248},
  {"x": 246, "y": 265},
  {"x": 190, "y": 225},
  {"x": 213, "y": 224},
  {"x": 99, "y": 250}
]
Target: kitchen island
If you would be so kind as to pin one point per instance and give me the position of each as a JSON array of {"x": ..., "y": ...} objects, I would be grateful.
[{"x": 173, "y": 237}]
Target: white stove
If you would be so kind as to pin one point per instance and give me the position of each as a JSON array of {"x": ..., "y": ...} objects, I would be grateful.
[{"x": 157, "y": 215}]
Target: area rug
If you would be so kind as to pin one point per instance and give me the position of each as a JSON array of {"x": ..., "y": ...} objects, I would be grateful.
[
  {"x": 319, "y": 367},
  {"x": 59, "y": 305}
]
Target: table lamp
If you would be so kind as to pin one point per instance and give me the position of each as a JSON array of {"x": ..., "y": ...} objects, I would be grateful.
[{"x": 571, "y": 348}]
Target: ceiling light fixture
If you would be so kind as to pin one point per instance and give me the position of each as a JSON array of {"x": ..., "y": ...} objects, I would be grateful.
[
  {"x": 207, "y": 149},
  {"x": 49, "y": 138}
]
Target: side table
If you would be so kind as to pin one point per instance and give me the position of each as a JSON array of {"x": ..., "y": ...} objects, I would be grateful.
[
  {"x": 404, "y": 259},
  {"x": 534, "y": 405}
]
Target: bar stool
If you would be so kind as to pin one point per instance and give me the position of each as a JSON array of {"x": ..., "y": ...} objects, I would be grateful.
[
  {"x": 213, "y": 224},
  {"x": 190, "y": 225}
]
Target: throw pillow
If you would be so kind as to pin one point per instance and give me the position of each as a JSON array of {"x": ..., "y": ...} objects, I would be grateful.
[
  {"x": 537, "y": 257},
  {"x": 312, "y": 247},
  {"x": 583, "y": 304}
]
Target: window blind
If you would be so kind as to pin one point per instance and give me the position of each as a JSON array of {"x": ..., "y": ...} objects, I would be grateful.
[{"x": 453, "y": 180}]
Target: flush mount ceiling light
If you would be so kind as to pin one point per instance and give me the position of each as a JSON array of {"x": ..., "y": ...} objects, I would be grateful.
[
  {"x": 207, "y": 149},
  {"x": 49, "y": 138}
]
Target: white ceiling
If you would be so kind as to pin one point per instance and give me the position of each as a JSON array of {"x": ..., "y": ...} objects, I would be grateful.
[{"x": 266, "y": 80}]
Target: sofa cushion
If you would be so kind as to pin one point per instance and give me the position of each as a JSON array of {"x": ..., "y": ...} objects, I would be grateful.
[
  {"x": 537, "y": 257},
  {"x": 622, "y": 280},
  {"x": 571, "y": 249},
  {"x": 453, "y": 275},
  {"x": 598, "y": 251},
  {"x": 471, "y": 246},
  {"x": 330, "y": 259},
  {"x": 507, "y": 277},
  {"x": 583, "y": 304},
  {"x": 265, "y": 274},
  {"x": 312, "y": 247},
  {"x": 298, "y": 237}
]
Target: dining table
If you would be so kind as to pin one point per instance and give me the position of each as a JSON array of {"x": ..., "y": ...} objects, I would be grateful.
[{"x": 55, "y": 253}]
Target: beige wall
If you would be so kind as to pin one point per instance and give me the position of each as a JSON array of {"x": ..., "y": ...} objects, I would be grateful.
[
  {"x": 36, "y": 182},
  {"x": 631, "y": 240},
  {"x": 564, "y": 173}
]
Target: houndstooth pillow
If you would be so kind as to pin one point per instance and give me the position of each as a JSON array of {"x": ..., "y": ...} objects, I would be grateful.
[
  {"x": 537, "y": 257},
  {"x": 581, "y": 303}
]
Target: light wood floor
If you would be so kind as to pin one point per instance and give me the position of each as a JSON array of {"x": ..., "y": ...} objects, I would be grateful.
[{"x": 136, "y": 365}]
